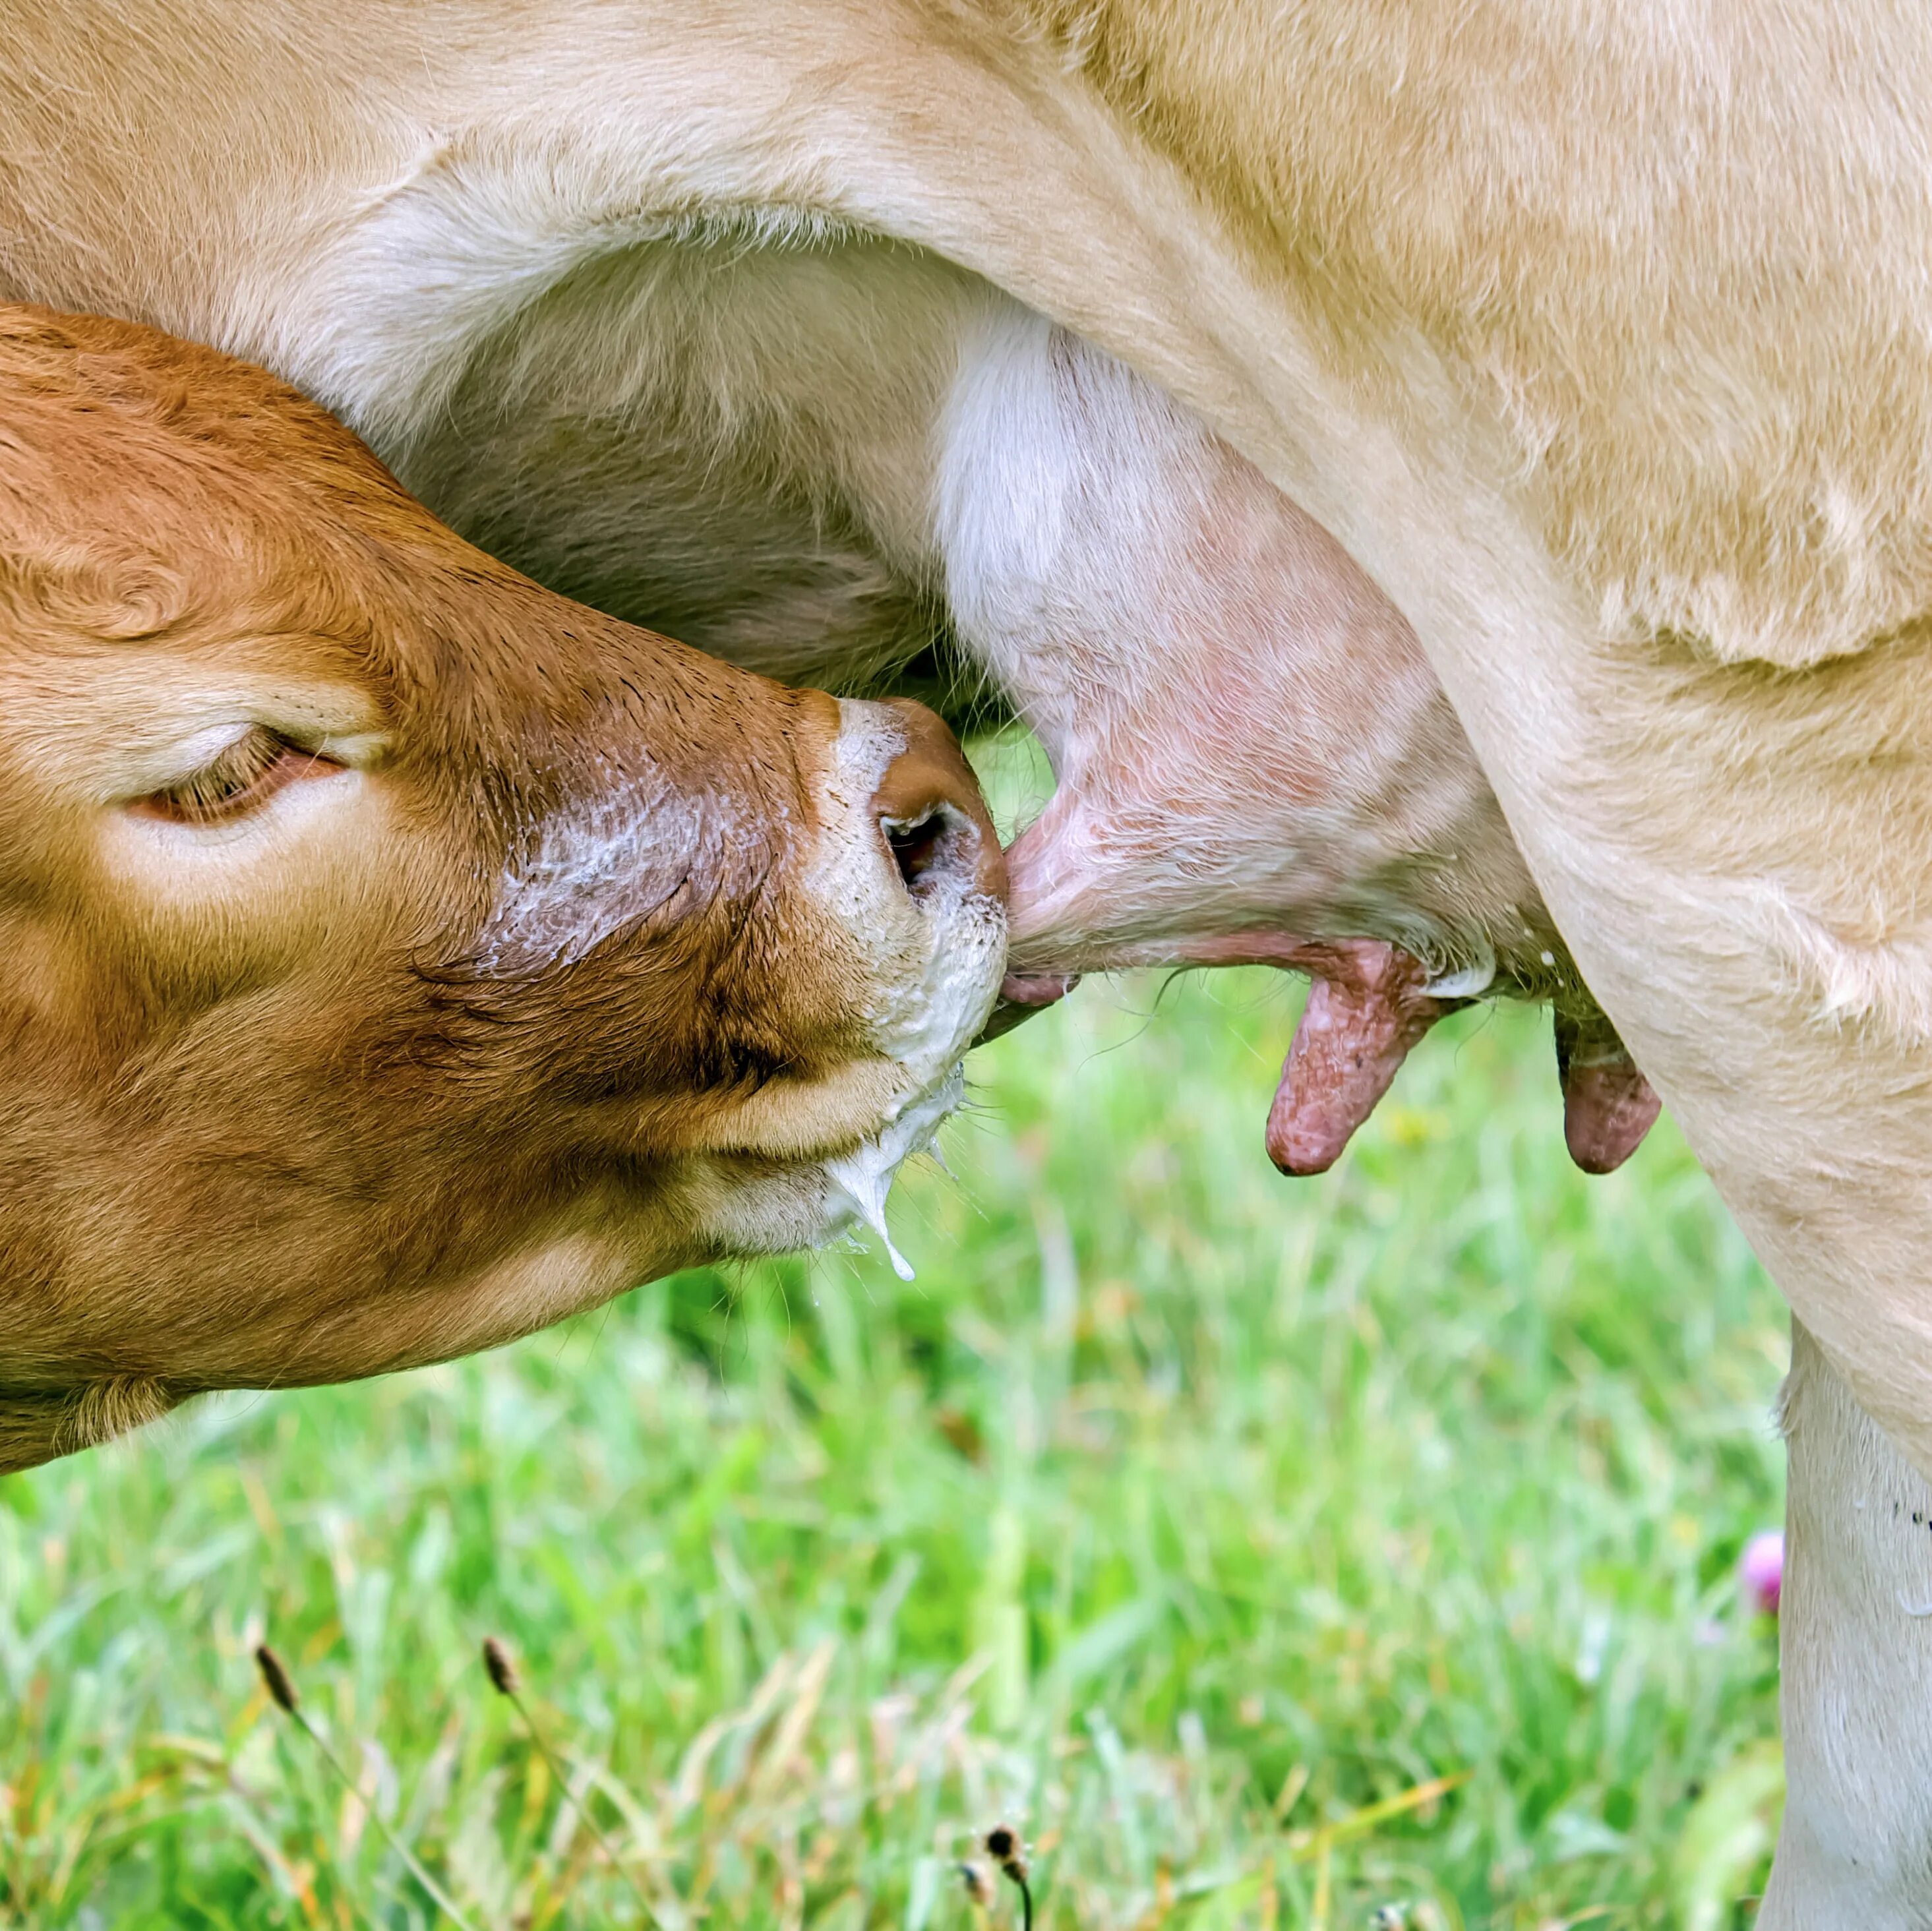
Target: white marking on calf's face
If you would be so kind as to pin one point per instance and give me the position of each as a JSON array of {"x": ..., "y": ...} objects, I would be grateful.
[
  {"x": 605, "y": 862},
  {"x": 933, "y": 952}
]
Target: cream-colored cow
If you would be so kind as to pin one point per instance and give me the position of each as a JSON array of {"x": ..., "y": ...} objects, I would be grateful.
[{"x": 1597, "y": 336}]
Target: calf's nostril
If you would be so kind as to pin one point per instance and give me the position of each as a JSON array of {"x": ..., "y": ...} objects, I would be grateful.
[
  {"x": 933, "y": 822},
  {"x": 920, "y": 847}
]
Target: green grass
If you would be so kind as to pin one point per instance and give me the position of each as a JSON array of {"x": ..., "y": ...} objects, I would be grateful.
[{"x": 1197, "y": 1520}]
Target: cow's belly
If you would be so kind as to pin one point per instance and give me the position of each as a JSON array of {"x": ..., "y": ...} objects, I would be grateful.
[
  {"x": 818, "y": 459},
  {"x": 731, "y": 444}
]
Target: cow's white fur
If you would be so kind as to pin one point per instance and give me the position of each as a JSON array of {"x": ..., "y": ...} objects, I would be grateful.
[
  {"x": 1598, "y": 336},
  {"x": 773, "y": 404}
]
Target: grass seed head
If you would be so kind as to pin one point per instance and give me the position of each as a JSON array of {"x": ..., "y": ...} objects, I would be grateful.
[
  {"x": 1003, "y": 1844},
  {"x": 502, "y": 1666},
  {"x": 1004, "y": 1847},
  {"x": 276, "y": 1678}
]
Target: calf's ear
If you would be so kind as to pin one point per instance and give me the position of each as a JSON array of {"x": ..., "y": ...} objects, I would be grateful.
[{"x": 38, "y": 1428}]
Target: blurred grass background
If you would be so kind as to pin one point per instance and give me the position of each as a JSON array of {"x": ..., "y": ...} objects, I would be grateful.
[{"x": 1349, "y": 1552}]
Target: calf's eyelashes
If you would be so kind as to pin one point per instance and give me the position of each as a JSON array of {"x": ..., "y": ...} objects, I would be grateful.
[{"x": 239, "y": 778}]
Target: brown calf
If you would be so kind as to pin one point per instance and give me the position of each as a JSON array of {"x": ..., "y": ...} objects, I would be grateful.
[{"x": 395, "y": 956}]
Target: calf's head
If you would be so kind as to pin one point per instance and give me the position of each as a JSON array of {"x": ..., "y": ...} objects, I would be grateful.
[{"x": 394, "y": 956}]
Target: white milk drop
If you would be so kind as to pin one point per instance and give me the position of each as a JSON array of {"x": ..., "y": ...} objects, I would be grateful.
[{"x": 865, "y": 1176}]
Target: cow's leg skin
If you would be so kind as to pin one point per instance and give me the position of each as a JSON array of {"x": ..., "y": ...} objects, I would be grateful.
[{"x": 1856, "y": 1639}]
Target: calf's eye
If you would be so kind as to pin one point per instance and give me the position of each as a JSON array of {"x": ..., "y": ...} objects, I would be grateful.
[{"x": 240, "y": 777}]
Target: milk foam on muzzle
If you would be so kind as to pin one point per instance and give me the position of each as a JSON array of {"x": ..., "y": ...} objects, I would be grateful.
[{"x": 926, "y": 1024}]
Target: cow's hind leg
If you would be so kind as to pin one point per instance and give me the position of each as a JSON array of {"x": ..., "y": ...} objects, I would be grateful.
[{"x": 1856, "y": 1847}]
